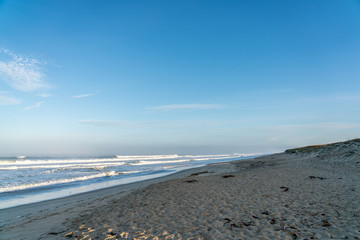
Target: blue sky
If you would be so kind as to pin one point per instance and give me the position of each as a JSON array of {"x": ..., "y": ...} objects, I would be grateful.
[{"x": 186, "y": 77}]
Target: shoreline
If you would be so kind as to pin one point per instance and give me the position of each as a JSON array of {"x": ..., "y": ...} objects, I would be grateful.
[
  {"x": 117, "y": 183},
  {"x": 39, "y": 195},
  {"x": 21, "y": 211},
  {"x": 285, "y": 195}
]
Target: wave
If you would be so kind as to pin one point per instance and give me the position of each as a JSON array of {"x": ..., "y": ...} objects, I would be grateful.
[
  {"x": 65, "y": 166},
  {"x": 63, "y": 169},
  {"x": 158, "y": 162},
  {"x": 37, "y": 162},
  {"x": 139, "y": 157},
  {"x": 54, "y": 182},
  {"x": 87, "y": 160},
  {"x": 189, "y": 158},
  {"x": 78, "y": 163},
  {"x": 24, "y": 160}
]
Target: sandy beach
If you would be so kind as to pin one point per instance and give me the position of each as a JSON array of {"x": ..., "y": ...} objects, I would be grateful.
[{"x": 305, "y": 193}]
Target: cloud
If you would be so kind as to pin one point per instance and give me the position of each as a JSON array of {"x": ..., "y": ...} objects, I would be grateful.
[
  {"x": 43, "y": 95},
  {"x": 84, "y": 95},
  {"x": 328, "y": 126},
  {"x": 103, "y": 123},
  {"x": 152, "y": 124},
  {"x": 22, "y": 73},
  {"x": 8, "y": 100},
  {"x": 36, "y": 105},
  {"x": 187, "y": 107}
]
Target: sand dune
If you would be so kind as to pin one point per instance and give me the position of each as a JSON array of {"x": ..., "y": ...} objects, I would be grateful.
[{"x": 304, "y": 193}]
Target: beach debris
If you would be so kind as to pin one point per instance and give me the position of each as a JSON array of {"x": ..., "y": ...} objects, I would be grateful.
[
  {"x": 124, "y": 235},
  {"x": 283, "y": 224},
  {"x": 272, "y": 221},
  {"x": 294, "y": 235},
  {"x": 320, "y": 178},
  {"x": 246, "y": 224},
  {"x": 295, "y": 228},
  {"x": 191, "y": 181},
  {"x": 198, "y": 173},
  {"x": 326, "y": 223},
  {"x": 285, "y": 189},
  {"x": 237, "y": 225},
  {"x": 228, "y": 176},
  {"x": 265, "y": 213},
  {"x": 233, "y": 225},
  {"x": 338, "y": 214},
  {"x": 70, "y": 234},
  {"x": 255, "y": 217}
]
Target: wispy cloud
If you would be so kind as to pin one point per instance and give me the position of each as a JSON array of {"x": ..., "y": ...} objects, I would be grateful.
[
  {"x": 36, "y": 105},
  {"x": 103, "y": 123},
  {"x": 187, "y": 107},
  {"x": 313, "y": 127},
  {"x": 84, "y": 95},
  {"x": 22, "y": 73},
  {"x": 152, "y": 124},
  {"x": 43, "y": 95},
  {"x": 8, "y": 100}
]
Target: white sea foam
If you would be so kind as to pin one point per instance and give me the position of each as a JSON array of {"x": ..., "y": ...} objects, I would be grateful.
[
  {"x": 117, "y": 159},
  {"x": 62, "y": 161},
  {"x": 65, "y": 166},
  {"x": 137, "y": 157},
  {"x": 159, "y": 162},
  {"x": 53, "y": 182}
]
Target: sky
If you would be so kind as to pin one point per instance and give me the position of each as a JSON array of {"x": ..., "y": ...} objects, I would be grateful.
[{"x": 177, "y": 77}]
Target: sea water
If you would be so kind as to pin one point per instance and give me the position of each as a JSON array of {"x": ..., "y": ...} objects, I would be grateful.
[{"x": 26, "y": 180}]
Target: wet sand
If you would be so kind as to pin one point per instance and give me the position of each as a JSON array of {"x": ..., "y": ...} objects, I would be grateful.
[{"x": 307, "y": 193}]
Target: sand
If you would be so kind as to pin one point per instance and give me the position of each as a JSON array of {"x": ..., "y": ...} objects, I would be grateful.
[{"x": 307, "y": 193}]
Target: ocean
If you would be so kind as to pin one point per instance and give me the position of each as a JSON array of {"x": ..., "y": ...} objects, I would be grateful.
[{"x": 26, "y": 180}]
